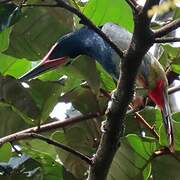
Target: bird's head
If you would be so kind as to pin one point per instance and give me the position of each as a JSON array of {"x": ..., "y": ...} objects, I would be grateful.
[{"x": 65, "y": 48}]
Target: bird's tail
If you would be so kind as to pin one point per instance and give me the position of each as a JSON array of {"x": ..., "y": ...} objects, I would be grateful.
[{"x": 168, "y": 121}]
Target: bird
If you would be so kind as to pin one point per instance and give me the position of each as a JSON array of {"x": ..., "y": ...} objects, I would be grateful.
[{"x": 85, "y": 41}]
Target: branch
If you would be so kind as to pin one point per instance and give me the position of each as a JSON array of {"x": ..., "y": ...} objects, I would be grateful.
[
  {"x": 167, "y": 28},
  {"x": 114, "y": 127},
  {"x": 57, "y": 144},
  {"x": 166, "y": 40},
  {"x": 140, "y": 119},
  {"x": 90, "y": 24},
  {"x": 49, "y": 126},
  {"x": 173, "y": 89}
]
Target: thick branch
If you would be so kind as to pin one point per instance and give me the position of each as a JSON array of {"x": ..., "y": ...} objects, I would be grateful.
[
  {"x": 167, "y": 28},
  {"x": 110, "y": 139},
  {"x": 49, "y": 126},
  {"x": 167, "y": 40},
  {"x": 57, "y": 144}
]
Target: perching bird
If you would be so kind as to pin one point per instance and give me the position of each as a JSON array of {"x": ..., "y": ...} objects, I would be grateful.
[{"x": 85, "y": 41}]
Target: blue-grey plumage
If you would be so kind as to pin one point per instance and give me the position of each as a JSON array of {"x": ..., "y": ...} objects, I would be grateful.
[{"x": 85, "y": 41}]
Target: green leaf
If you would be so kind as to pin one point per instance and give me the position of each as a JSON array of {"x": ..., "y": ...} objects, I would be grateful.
[
  {"x": 4, "y": 39},
  {"x": 12, "y": 66},
  {"x": 106, "y": 80},
  {"x": 49, "y": 168},
  {"x": 78, "y": 97},
  {"x": 166, "y": 167},
  {"x": 10, "y": 14},
  {"x": 37, "y": 31},
  {"x": 11, "y": 121},
  {"x": 6, "y": 152},
  {"x": 46, "y": 95},
  {"x": 175, "y": 68},
  {"x": 82, "y": 137},
  {"x": 102, "y": 11},
  {"x": 132, "y": 159},
  {"x": 13, "y": 94},
  {"x": 163, "y": 136},
  {"x": 176, "y": 116}
]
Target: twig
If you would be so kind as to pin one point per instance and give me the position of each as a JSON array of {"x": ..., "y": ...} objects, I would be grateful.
[
  {"x": 57, "y": 144},
  {"x": 174, "y": 89},
  {"x": 166, "y": 40},
  {"x": 49, "y": 126},
  {"x": 167, "y": 28},
  {"x": 90, "y": 24},
  {"x": 140, "y": 119}
]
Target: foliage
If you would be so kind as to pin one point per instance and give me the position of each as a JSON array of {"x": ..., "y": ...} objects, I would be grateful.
[{"x": 26, "y": 34}]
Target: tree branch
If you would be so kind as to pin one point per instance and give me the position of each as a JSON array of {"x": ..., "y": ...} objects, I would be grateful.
[
  {"x": 167, "y": 28},
  {"x": 110, "y": 139},
  {"x": 57, "y": 144},
  {"x": 140, "y": 119},
  {"x": 49, "y": 126},
  {"x": 166, "y": 40}
]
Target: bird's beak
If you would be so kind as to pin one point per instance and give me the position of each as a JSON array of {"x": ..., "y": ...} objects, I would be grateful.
[
  {"x": 44, "y": 66},
  {"x": 168, "y": 122}
]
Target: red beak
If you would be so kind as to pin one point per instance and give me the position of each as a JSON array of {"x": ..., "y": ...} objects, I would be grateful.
[{"x": 44, "y": 66}]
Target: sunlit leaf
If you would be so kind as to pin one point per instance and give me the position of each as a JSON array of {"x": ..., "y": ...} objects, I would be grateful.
[{"x": 102, "y": 11}]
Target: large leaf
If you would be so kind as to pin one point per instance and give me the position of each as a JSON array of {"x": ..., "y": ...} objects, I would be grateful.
[
  {"x": 102, "y": 11},
  {"x": 4, "y": 39},
  {"x": 132, "y": 159},
  {"x": 166, "y": 167},
  {"x": 38, "y": 30},
  {"x": 13, "y": 94},
  {"x": 13, "y": 66}
]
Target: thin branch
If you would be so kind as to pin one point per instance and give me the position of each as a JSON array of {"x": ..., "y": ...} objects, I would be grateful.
[
  {"x": 57, "y": 144},
  {"x": 49, "y": 126},
  {"x": 140, "y": 119},
  {"x": 167, "y": 28},
  {"x": 174, "y": 89},
  {"x": 90, "y": 24},
  {"x": 167, "y": 40}
]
